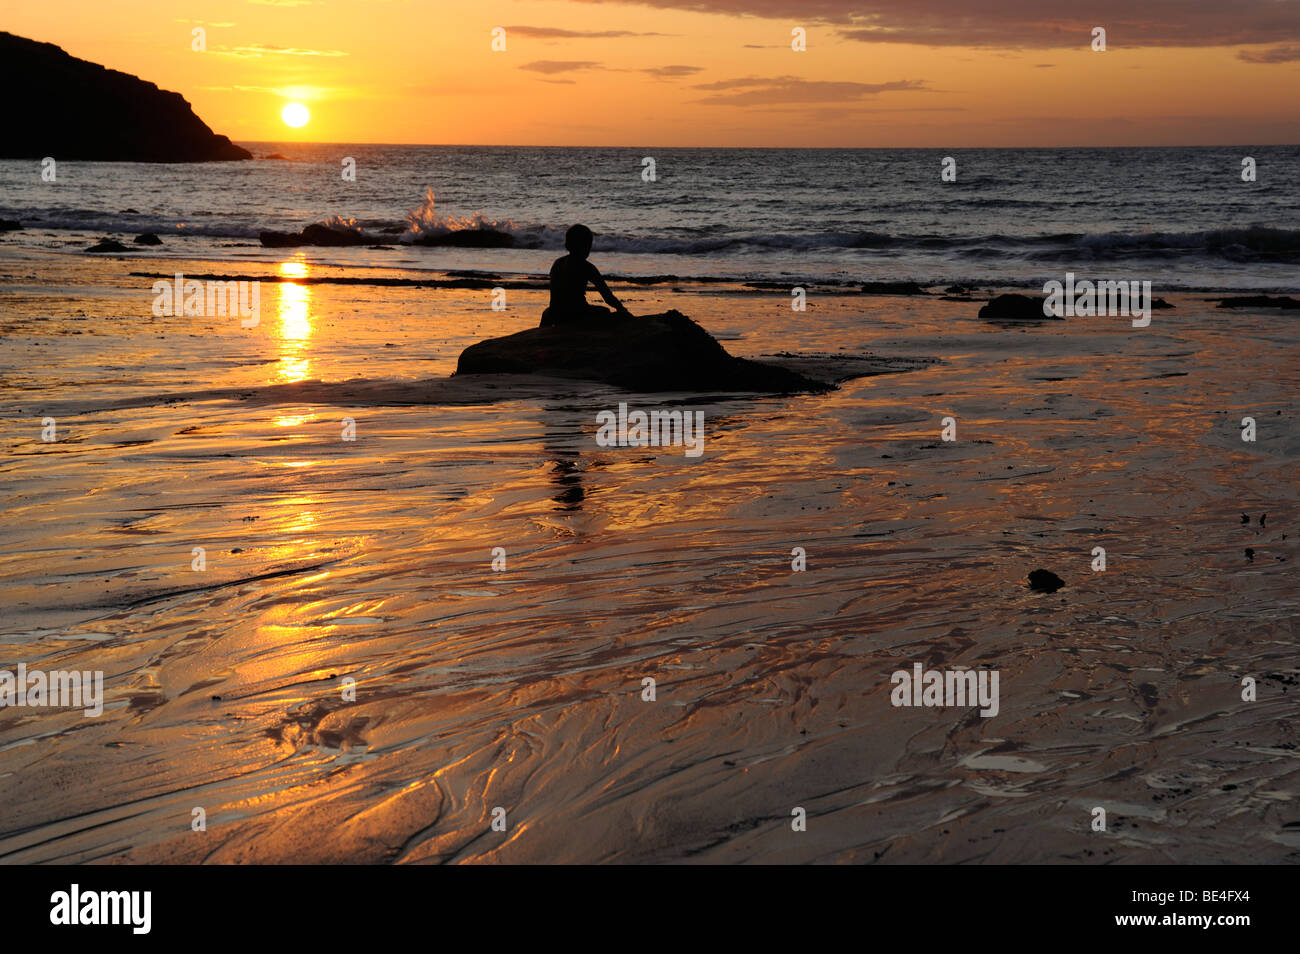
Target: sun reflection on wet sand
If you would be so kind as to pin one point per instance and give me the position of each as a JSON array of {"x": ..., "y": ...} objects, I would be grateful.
[
  {"x": 287, "y": 419},
  {"x": 295, "y": 325}
]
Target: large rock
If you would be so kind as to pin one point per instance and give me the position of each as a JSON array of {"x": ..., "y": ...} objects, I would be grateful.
[
  {"x": 469, "y": 238},
  {"x": 667, "y": 352},
  {"x": 57, "y": 105},
  {"x": 327, "y": 235},
  {"x": 316, "y": 234}
]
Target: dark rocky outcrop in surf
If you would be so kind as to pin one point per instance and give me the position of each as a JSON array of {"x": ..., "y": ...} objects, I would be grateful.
[
  {"x": 1015, "y": 308},
  {"x": 68, "y": 108},
  {"x": 10, "y": 225},
  {"x": 469, "y": 238},
  {"x": 148, "y": 238},
  {"x": 1259, "y": 301},
  {"x": 321, "y": 235},
  {"x": 333, "y": 236},
  {"x": 667, "y": 352}
]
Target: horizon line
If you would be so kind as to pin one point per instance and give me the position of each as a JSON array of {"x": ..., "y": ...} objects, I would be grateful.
[{"x": 486, "y": 145}]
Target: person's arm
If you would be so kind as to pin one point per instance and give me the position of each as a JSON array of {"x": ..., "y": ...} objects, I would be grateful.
[{"x": 598, "y": 283}]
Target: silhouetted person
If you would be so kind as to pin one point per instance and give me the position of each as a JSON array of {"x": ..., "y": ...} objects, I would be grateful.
[{"x": 570, "y": 276}]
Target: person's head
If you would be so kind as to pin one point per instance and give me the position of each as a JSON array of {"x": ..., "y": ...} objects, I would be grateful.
[{"x": 578, "y": 240}]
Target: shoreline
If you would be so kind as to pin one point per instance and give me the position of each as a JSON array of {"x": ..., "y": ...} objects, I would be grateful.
[{"x": 482, "y": 277}]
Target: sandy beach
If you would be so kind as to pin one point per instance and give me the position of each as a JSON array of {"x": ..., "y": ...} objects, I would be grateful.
[{"x": 368, "y": 563}]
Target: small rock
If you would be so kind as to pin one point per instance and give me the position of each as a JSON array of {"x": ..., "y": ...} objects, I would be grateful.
[
  {"x": 893, "y": 288},
  {"x": 108, "y": 245},
  {"x": 147, "y": 238},
  {"x": 1045, "y": 581},
  {"x": 1016, "y": 308},
  {"x": 1260, "y": 301}
]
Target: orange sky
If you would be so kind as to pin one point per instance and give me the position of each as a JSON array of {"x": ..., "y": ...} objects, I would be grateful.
[{"x": 946, "y": 73}]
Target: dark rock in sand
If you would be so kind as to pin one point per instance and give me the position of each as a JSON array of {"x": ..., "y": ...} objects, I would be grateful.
[
  {"x": 57, "y": 105},
  {"x": 1260, "y": 301},
  {"x": 470, "y": 238},
  {"x": 1015, "y": 308},
  {"x": 1045, "y": 581},
  {"x": 108, "y": 245},
  {"x": 10, "y": 225},
  {"x": 1160, "y": 303},
  {"x": 667, "y": 352},
  {"x": 148, "y": 238},
  {"x": 893, "y": 288}
]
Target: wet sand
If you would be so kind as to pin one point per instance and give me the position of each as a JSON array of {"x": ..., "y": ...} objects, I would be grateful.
[{"x": 475, "y": 689}]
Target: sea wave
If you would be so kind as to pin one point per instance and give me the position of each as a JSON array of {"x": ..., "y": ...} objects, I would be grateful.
[
  {"x": 1248, "y": 244},
  {"x": 1252, "y": 243}
]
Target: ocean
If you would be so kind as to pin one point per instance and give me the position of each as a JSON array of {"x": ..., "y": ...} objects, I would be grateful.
[{"x": 1183, "y": 218}]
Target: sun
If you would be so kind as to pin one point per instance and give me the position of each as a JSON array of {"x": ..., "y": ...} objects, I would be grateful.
[{"x": 295, "y": 115}]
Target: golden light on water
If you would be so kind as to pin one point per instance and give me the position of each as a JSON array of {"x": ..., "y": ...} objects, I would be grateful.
[{"x": 295, "y": 329}]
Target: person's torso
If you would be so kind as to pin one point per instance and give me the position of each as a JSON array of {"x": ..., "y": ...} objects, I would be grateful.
[{"x": 569, "y": 277}]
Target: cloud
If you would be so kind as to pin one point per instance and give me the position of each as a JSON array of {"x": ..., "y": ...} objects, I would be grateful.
[
  {"x": 295, "y": 92},
  {"x": 671, "y": 72},
  {"x": 260, "y": 49},
  {"x": 560, "y": 66},
  {"x": 555, "y": 33},
  {"x": 770, "y": 91},
  {"x": 1276, "y": 54},
  {"x": 1021, "y": 24}
]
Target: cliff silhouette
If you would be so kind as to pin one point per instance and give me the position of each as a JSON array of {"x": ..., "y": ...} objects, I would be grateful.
[{"x": 68, "y": 108}]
